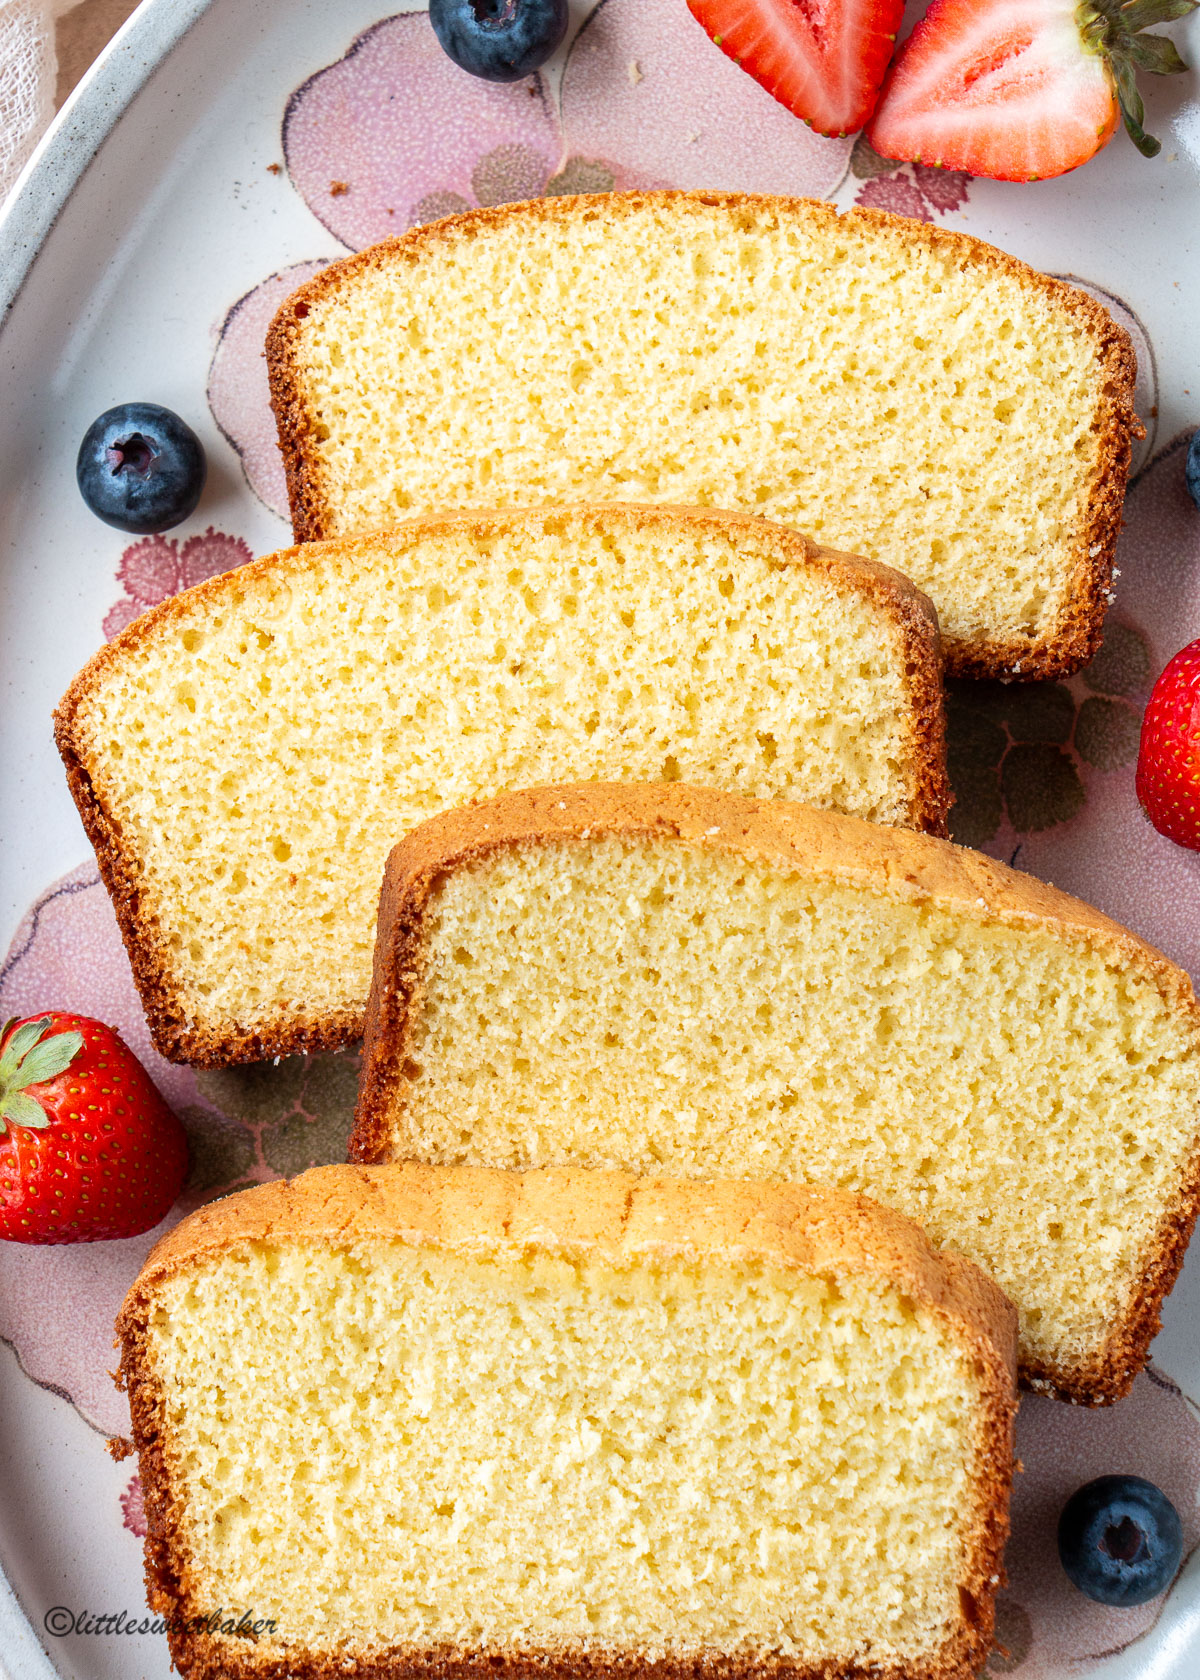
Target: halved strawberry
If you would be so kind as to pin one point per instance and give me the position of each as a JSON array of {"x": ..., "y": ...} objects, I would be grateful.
[
  {"x": 1019, "y": 90},
  {"x": 824, "y": 59}
]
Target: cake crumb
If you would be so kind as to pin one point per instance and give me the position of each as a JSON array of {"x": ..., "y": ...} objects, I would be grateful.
[
  {"x": 274, "y": 169},
  {"x": 635, "y": 73},
  {"x": 338, "y": 189}
]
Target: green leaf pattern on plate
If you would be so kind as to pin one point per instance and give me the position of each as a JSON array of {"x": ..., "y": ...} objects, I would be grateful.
[
  {"x": 1022, "y": 751},
  {"x": 273, "y": 1119}
]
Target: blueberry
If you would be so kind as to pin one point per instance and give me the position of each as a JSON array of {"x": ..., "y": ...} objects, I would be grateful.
[
  {"x": 140, "y": 468},
  {"x": 500, "y": 40},
  {"x": 1120, "y": 1540},
  {"x": 1191, "y": 471}
]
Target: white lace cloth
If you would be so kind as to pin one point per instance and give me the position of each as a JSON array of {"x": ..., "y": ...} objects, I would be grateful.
[{"x": 27, "y": 75}]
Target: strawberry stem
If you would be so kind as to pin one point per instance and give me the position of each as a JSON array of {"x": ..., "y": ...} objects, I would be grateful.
[
  {"x": 1114, "y": 31},
  {"x": 28, "y": 1057}
]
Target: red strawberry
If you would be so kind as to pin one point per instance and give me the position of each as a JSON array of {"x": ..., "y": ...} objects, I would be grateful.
[
  {"x": 823, "y": 59},
  {"x": 1022, "y": 89},
  {"x": 1168, "y": 767},
  {"x": 88, "y": 1148}
]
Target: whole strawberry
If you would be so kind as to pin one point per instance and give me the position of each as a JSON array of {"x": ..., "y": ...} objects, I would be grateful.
[
  {"x": 1168, "y": 768},
  {"x": 88, "y": 1148}
]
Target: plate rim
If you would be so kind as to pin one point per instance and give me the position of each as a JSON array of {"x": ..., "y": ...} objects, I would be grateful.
[
  {"x": 88, "y": 115},
  {"x": 23, "y": 1656},
  {"x": 27, "y": 216}
]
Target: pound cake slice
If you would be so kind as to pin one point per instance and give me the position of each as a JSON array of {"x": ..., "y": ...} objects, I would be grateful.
[
  {"x": 441, "y": 1422},
  {"x": 887, "y": 386},
  {"x": 668, "y": 979},
  {"x": 246, "y": 754}
]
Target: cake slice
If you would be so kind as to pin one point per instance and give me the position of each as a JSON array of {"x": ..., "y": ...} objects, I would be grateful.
[
  {"x": 887, "y": 386},
  {"x": 444, "y": 1422},
  {"x": 670, "y": 980},
  {"x": 245, "y": 755}
]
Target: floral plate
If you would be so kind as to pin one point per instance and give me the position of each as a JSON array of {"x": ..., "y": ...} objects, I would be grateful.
[{"x": 217, "y": 155}]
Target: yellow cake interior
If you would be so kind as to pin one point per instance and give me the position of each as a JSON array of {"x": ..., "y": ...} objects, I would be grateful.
[
  {"x": 262, "y": 750},
  {"x": 381, "y": 1445},
  {"x": 1028, "y": 1098},
  {"x": 881, "y": 392}
]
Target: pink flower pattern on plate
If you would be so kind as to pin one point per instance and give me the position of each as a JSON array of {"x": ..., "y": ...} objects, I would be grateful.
[
  {"x": 238, "y": 394},
  {"x": 915, "y": 189},
  {"x": 156, "y": 567},
  {"x": 133, "y": 1507},
  {"x": 396, "y": 133}
]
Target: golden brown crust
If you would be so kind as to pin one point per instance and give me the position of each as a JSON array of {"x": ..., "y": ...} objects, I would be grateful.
[
  {"x": 916, "y": 617},
  {"x": 181, "y": 1039},
  {"x": 821, "y": 844},
  {"x": 1109, "y": 1376},
  {"x": 575, "y": 1211},
  {"x": 1073, "y": 641},
  {"x": 615, "y": 1217},
  {"x": 201, "y": 1657}
]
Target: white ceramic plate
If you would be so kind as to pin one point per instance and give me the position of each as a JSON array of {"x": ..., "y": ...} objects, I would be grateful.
[{"x": 145, "y": 248}]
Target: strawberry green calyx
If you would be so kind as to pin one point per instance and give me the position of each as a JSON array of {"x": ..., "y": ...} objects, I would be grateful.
[
  {"x": 28, "y": 1057},
  {"x": 1115, "y": 32}
]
